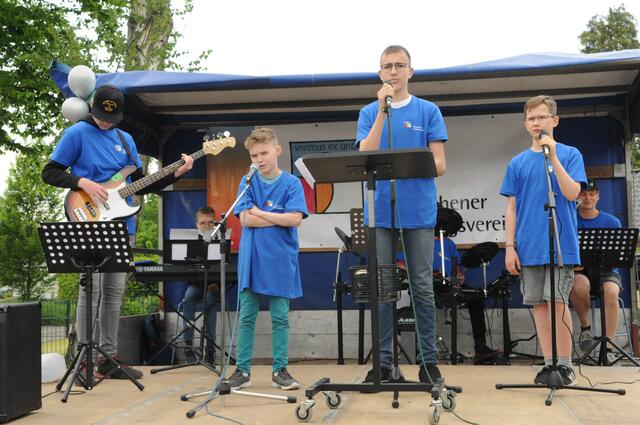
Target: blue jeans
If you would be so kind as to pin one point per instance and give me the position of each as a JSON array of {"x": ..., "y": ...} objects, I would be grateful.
[
  {"x": 193, "y": 296},
  {"x": 279, "y": 309},
  {"x": 419, "y": 259}
]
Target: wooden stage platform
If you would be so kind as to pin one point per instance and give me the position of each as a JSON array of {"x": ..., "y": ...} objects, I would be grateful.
[{"x": 120, "y": 402}]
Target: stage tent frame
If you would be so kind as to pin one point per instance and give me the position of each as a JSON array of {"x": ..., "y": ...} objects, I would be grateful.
[{"x": 159, "y": 103}]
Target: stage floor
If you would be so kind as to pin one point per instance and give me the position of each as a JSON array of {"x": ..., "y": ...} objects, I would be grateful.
[{"x": 120, "y": 402}]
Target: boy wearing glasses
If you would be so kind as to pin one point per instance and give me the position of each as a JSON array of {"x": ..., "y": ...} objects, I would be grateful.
[
  {"x": 205, "y": 223},
  {"x": 416, "y": 123},
  {"x": 527, "y": 247}
]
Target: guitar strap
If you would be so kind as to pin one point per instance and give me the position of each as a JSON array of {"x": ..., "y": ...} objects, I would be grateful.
[{"x": 126, "y": 147}]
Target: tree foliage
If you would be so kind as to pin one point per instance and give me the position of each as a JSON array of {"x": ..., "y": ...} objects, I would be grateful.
[
  {"x": 147, "y": 232},
  {"x": 26, "y": 202},
  {"x": 106, "y": 35},
  {"x": 616, "y": 31}
]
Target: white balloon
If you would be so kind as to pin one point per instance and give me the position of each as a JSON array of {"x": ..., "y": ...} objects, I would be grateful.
[
  {"x": 82, "y": 81},
  {"x": 53, "y": 367},
  {"x": 74, "y": 109}
]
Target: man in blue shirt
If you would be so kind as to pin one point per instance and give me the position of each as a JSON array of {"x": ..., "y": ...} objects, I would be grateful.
[
  {"x": 527, "y": 227},
  {"x": 417, "y": 123},
  {"x": 589, "y": 217}
]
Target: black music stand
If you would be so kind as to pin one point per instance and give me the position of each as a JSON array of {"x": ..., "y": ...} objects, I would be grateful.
[
  {"x": 359, "y": 247},
  {"x": 88, "y": 248},
  {"x": 339, "y": 288},
  {"x": 369, "y": 167},
  {"x": 602, "y": 250}
]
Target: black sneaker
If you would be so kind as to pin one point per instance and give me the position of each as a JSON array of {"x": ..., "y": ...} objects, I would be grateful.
[
  {"x": 109, "y": 369},
  {"x": 210, "y": 355},
  {"x": 585, "y": 340},
  {"x": 542, "y": 377},
  {"x": 385, "y": 373},
  {"x": 568, "y": 375},
  {"x": 190, "y": 355},
  {"x": 485, "y": 355},
  {"x": 429, "y": 375}
]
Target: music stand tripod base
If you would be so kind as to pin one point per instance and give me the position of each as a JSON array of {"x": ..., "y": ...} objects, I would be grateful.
[{"x": 88, "y": 248}]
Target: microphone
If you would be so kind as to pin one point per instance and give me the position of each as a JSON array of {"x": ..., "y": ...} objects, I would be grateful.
[
  {"x": 252, "y": 171},
  {"x": 388, "y": 99},
  {"x": 545, "y": 148}
]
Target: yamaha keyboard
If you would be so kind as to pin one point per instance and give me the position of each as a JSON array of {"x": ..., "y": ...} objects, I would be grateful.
[{"x": 184, "y": 272}]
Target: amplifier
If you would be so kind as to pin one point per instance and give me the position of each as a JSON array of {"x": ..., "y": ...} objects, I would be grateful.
[{"x": 20, "y": 362}]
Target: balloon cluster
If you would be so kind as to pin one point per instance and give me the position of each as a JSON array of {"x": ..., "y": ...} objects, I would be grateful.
[{"x": 82, "y": 82}]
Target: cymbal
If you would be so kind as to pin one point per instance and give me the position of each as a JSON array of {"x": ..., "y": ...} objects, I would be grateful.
[
  {"x": 449, "y": 220},
  {"x": 479, "y": 254},
  {"x": 346, "y": 240}
]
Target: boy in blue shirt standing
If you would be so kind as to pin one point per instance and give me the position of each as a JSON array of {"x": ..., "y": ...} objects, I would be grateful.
[
  {"x": 590, "y": 217},
  {"x": 270, "y": 213},
  {"x": 89, "y": 153},
  {"x": 417, "y": 123},
  {"x": 527, "y": 247}
]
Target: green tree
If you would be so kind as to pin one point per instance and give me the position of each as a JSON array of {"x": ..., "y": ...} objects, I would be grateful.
[
  {"x": 26, "y": 202},
  {"x": 147, "y": 232},
  {"x": 616, "y": 31},
  {"x": 106, "y": 35}
]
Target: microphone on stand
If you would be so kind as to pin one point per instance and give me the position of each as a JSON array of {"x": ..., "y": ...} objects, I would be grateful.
[
  {"x": 389, "y": 98},
  {"x": 252, "y": 170},
  {"x": 545, "y": 148}
]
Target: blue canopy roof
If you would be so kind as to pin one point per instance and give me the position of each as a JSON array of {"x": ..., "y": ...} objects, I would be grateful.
[{"x": 577, "y": 81}]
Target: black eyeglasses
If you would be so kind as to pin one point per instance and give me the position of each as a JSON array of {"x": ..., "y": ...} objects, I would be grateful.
[{"x": 387, "y": 67}]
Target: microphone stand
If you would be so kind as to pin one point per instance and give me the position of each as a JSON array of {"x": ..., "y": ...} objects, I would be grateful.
[
  {"x": 554, "y": 380},
  {"x": 222, "y": 386}
]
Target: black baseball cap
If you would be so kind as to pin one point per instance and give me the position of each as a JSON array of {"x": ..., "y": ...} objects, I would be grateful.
[
  {"x": 589, "y": 185},
  {"x": 108, "y": 104}
]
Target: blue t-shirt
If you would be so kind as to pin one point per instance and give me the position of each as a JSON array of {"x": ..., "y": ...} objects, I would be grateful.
[
  {"x": 268, "y": 256},
  {"x": 602, "y": 221},
  {"x": 526, "y": 180},
  {"x": 95, "y": 154},
  {"x": 414, "y": 126},
  {"x": 450, "y": 252}
]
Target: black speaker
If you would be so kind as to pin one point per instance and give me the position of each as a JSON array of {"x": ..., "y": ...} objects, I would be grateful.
[{"x": 20, "y": 361}]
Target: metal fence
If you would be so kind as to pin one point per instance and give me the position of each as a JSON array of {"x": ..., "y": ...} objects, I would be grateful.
[{"x": 58, "y": 318}]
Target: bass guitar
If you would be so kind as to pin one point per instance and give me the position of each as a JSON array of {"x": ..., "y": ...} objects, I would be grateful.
[{"x": 79, "y": 206}]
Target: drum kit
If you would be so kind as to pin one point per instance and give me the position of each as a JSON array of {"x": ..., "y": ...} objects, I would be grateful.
[{"x": 448, "y": 291}]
